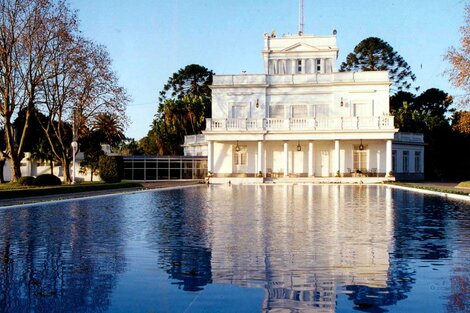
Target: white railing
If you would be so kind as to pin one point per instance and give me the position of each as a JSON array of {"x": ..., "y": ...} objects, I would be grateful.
[
  {"x": 318, "y": 123},
  {"x": 409, "y": 137},
  {"x": 193, "y": 139}
]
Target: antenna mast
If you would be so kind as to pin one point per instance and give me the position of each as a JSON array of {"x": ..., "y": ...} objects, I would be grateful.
[{"x": 301, "y": 17}]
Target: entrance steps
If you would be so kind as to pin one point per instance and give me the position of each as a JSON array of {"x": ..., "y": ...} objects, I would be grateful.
[
  {"x": 298, "y": 180},
  {"x": 330, "y": 180}
]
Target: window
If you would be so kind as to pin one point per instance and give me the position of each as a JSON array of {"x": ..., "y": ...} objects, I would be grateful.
[
  {"x": 394, "y": 161},
  {"x": 321, "y": 110},
  {"x": 239, "y": 111},
  {"x": 276, "y": 111},
  {"x": 299, "y": 111},
  {"x": 318, "y": 66},
  {"x": 405, "y": 161},
  {"x": 417, "y": 161},
  {"x": 299, "y": 66},
  {"x": 360, "y": 159},
  {"x": 362, "y": 109}
]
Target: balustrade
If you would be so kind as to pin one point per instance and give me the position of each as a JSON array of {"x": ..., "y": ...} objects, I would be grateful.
[{"x": 317, "y": 123}]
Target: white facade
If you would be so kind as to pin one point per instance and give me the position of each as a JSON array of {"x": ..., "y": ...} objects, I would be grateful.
[
  {"x": 301, "y": 118},
  {"x": 195, "y": 145},
  {"x": 31, "y": 167},
  {"x": 408, "y": 156}
]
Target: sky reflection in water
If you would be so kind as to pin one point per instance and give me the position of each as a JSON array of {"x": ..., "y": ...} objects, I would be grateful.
[{"x": 239, "y": 249}]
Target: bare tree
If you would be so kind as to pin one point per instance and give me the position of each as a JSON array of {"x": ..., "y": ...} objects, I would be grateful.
[
  {"x": 32, "y": 36},
  {"x": 81, "y": 88},
  {"x": 459, "y": 58}
]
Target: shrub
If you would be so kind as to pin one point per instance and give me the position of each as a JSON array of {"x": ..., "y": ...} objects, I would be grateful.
[
  {"x": 47, "y": 180},
  {"x": 26, "y": 181},
  {"x": 111, "y": 169}
]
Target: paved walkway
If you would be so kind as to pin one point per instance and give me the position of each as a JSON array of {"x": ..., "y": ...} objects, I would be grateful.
[{"x": 78, "y": 195}]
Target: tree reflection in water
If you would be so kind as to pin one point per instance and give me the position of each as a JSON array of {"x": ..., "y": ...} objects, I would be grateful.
[
  {"x": 180, "y": 234},
  {"x": 60, "y": 259}
]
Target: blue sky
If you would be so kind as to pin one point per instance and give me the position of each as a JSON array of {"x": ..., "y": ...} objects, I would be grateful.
[{"x": 148, "y": 40}]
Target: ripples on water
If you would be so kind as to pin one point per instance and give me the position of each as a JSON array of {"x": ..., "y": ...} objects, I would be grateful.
[{"x": 239, "y": 249}]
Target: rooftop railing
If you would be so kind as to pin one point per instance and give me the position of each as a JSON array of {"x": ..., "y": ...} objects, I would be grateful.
[
  {"x": 409, "y": 137},
  {"x": 193, "y": 139},
  {"x": 316, "y": 123}
]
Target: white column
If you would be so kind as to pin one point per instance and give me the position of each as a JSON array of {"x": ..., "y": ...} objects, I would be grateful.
[
  {"x": 378, "y": 162},
  {"x": 286, "y": 159},
  {"x": 210, "y": 156},
  {"x": 311, "y": 164},
  {"x": 388, "y": 158},
  {"x": 260, "y": 157},
  {"x": 337, "y": 156}
]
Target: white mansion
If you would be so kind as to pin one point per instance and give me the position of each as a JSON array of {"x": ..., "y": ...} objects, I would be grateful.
[{"x": 303, "y": 118}]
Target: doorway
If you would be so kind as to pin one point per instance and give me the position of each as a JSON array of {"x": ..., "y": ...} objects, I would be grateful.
[{"x": 325, "y": 163}]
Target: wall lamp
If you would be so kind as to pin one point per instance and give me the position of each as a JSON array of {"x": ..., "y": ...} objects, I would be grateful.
[
  {"x": 299, "y": 147},
  {"x": 237, "y": 147},
  {"x": 361, "y": 146}
]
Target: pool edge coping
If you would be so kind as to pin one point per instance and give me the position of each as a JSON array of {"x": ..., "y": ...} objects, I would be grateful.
[
  {"x": 14, "y": 206},
  {"x": 418, "y": 190}
]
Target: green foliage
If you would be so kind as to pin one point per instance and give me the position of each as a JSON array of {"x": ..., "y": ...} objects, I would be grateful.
[
  {"x": 447, "y": 150},
  {"x": 109, "y": 129},
  {"x": 91, "y": 148},
  {"x": 47, "y": 180},
  {"x": 111, "y": 169},
  {"x": 422, "y": 113},
  {"x": 375, "y": 54},
  {"x": 130, "y": 147},
  {"x": 26, "y": 181},
  {"x": 184, "y": 103}
]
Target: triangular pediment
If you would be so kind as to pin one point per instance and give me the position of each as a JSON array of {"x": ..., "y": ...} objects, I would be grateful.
[{"x": 300, "y": 47}]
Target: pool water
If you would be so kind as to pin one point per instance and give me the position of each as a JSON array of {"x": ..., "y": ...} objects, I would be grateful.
[{"x": 303, "y": 248}]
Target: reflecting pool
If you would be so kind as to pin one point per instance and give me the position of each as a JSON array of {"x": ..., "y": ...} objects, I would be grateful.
[{"x": 324, "y": 248}]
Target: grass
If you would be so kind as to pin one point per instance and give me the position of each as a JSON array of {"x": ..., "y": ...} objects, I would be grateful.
[
  {"x": 13, "y": 190},
  {"x": 444, "y": 190},
  {"x": 464, "y": 184}
]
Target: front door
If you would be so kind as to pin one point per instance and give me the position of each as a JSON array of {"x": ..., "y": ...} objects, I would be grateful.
[
  {"x": 325, "y": 163},
  {"x": 239, "y": 160}
]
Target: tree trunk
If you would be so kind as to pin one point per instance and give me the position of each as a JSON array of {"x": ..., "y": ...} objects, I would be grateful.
[
  {"x": 2, "y": 166},
  {"x": 15, "y": 169},
  {"x": 91, "y": 175},
  {"x": 66, "y": 169},
  {"x": 51, "y": 165}
]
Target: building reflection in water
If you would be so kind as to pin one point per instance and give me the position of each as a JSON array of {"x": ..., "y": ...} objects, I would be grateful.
[
  {"x": 303, "y": 244},
  {"x": 310, "y": 248},
  {"x": 180, "y": 232},
  {"x": 60, "y": 259}
]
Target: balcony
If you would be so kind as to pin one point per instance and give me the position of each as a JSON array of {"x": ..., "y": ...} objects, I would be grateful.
[
  {"x": 289, "y": 79},
  {"x": 318, "y": 123}
]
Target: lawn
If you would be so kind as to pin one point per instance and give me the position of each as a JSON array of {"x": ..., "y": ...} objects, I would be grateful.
[
  {"x": 13, "y": 190},
  {"x": 464, "y": 184},
  {"x": 438, "y": 189}
]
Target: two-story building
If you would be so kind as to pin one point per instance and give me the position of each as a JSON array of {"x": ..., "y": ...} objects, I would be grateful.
[{"x": 301, "y": 118}]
